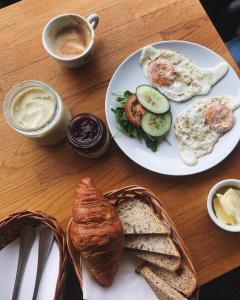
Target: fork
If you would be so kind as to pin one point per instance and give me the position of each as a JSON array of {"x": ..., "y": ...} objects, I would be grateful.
[{"x": 45, "y": 244}]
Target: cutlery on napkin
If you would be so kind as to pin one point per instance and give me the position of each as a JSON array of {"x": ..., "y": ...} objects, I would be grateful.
[
  {"x": 26, "y": 242},
  {"x": 45, "y": 244}
]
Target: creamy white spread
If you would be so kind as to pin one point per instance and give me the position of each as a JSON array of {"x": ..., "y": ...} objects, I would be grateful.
[
  {"x": 227, "y": 206},
  {"x": 33, "y": 107}
]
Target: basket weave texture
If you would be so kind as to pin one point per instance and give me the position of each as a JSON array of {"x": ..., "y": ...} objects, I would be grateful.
[
  {"x": 135, "y": 192},
  {"x": 10, "y": 229}
]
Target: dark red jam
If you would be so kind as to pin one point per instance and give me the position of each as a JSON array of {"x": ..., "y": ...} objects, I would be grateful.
[{"x": 87, "y": 133}]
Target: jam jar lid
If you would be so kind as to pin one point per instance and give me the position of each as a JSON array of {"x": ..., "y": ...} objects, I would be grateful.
[{"x": 86, "y": 132}]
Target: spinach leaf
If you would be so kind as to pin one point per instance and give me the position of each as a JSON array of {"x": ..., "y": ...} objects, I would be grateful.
[
  {"x": 127, "y": 94},
  {"x": 153, "y": 145},
  {"x": 122, "y": 97},
  {"x": 151, "y": 141},
  {"x": 140, "y": 134},
  {"x": 122, "y": 119},
  {"x": 128, "y": 128}
]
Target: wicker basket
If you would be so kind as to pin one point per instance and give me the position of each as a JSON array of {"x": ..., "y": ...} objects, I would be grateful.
[
  {"x": 10, "y": 229},
  {"x": 135, "y": 192}
]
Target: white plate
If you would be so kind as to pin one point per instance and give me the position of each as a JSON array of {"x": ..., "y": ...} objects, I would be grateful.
[{"x": 167, "y": 158}]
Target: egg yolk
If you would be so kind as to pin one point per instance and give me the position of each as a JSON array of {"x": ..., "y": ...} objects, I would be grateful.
[
  {"x": 220, "y": 118},
  {"x": 161, "y": 72}
]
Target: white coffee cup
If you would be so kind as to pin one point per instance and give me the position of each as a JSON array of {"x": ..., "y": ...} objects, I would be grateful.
[{"x": 59, "y": 28}]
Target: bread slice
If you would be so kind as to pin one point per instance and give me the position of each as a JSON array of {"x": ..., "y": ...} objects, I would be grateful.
[
  {"x": 183, "y": 280},
  {"x": 171, "y": 263},
  {"x": 139, "y": 218},
  {"x": 162, "y": 244},
  {"x": 162, "y": 290}
]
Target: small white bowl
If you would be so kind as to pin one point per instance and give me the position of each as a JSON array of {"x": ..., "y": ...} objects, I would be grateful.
[{"x": 213, "y": 191}]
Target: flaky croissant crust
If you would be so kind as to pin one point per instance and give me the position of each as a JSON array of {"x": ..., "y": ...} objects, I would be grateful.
[{"x": 96, "y": 232}]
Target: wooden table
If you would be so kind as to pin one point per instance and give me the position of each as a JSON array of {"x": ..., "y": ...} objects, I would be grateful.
[{"x": 39, "y": 178}]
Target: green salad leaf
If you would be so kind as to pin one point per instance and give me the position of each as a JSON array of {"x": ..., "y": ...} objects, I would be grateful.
[
  {"x": 122, "y": 97},
  {"x": 127, "y": 127}
]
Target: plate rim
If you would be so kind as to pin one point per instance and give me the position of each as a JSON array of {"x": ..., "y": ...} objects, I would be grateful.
[{"x": 108, "y": 93}]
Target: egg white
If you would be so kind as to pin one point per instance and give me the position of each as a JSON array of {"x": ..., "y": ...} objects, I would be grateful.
[
  {"x": 194, "y": 134},
  {"x": 191, "y": 79}
]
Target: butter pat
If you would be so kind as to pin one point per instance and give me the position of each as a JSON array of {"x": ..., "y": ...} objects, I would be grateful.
[
  {"x": 227, "y": 206},
  {"x": 221, "y": 214}
]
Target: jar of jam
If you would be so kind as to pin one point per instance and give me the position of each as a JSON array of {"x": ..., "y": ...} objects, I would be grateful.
[{"x": 88, "y": 135}]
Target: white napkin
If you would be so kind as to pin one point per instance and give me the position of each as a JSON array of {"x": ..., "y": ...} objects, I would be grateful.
[
  {"x": 8, "y": 269},
  {"x": 127, "y": 284}
]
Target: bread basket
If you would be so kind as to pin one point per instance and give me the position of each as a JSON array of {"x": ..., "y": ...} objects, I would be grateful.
[
  {"x": 137, "y": 192},
  {"x": 10, "y": 229}
]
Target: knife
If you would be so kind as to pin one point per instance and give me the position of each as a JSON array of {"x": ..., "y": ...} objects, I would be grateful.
[{"x": 26, "y": 241}]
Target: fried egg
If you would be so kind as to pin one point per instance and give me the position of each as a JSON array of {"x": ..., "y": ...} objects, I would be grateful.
[
  {"x": 200, "y": 126},
  {"x": 176, "y": 76}
]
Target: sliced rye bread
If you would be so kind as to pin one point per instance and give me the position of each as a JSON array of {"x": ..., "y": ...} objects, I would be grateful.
[
  {"x": 162, "y": 290},
  {"x": 138, "y": 217},
  {"x": 183, "y": 280},
  {"x": 162, "y": 244},
  {"x": 168, "y": 262}
]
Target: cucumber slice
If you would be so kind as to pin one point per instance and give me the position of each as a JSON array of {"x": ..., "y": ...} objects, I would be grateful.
[
  {"x": 156, "y": 125},
  {"x": 152, "y": 99}
]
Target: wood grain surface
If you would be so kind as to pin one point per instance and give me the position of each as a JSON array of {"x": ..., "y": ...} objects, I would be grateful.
[{"x": 44, "y": 178}]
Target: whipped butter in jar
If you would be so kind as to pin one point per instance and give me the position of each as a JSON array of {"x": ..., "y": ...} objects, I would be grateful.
[
  {"x": 88, "y": 135},
  {"x": 36, "y": 111}
]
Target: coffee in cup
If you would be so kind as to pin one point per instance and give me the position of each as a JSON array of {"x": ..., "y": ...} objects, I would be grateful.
[{"x": 69, "y": 38}]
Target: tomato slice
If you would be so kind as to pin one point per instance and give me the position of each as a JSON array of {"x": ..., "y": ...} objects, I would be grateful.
[{"x": 134, "y": 110}]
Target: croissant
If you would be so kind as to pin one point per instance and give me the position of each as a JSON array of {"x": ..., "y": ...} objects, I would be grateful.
[{"x": 96, "y": 231}]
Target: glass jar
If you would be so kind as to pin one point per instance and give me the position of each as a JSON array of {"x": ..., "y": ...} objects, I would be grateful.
[
  {"x": 52, "y": 128},
  {"x": 88, "y": 135}
]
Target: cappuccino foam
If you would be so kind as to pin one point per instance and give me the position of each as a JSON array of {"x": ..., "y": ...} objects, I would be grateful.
[{"x": 71, "y": 41}]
